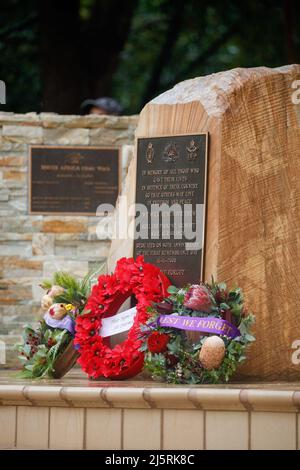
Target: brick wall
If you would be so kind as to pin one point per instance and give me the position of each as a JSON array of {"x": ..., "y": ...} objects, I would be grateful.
[{"x": 32, "y": 247}]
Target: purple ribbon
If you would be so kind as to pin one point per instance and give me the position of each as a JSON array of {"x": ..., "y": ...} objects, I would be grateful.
[
  {"x": 67, "y": 323},
  {"x": 205, "y": 324}
]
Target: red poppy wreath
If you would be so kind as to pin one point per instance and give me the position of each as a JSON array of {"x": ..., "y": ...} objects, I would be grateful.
[{"x": 131, "y": 277}]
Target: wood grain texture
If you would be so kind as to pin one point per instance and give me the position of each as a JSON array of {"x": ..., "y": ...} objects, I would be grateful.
[
  {"x": 124, "y": 246},
  {"x": 253, "y": 216}
]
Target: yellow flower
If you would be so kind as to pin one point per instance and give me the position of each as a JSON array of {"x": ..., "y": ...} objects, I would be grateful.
[{"x": 69, "y": 307}]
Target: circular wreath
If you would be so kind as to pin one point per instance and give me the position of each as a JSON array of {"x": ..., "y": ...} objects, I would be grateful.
[
  {"x": 131, "y": 277},
  {"x": 223, "y": 323}
]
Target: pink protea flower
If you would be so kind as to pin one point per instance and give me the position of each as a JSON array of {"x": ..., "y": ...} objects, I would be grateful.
[{"x": 198, "y": 298}]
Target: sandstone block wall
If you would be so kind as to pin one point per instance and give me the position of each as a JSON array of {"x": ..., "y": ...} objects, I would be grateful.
[{"x": 32, "y": 247}]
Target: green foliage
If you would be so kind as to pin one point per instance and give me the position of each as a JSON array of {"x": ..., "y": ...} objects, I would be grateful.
[
  {"x": 172, "y": 290},
  {"x": 42, "y": 346},
  {"x": 156, "y": 365},
  {"x": 92, "y": 276},
  {"x": 76, "y": 291},
  {"x": 161, "y": 49},
  {"x": 211, "y": 36},
  {"x": 38, "y": 357},
  {"x": 175, "y": 345},
  {"x": 46, "y": 285}
]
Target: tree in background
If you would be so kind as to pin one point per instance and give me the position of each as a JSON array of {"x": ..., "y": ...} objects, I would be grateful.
[
  {"x": 54, "y": 54},
  {"x": 80, "y": 44}
]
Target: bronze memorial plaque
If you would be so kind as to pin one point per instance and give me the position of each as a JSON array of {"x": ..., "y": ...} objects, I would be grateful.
[
  {"x": 72, "y": 180},
  {"x": 171, "y": 178}
]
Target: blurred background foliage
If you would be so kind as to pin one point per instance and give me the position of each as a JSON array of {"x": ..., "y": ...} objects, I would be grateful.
[{"x": 55, "y": 53}]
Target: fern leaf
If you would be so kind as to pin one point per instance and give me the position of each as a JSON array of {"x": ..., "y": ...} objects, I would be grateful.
[
  {"x": 46, "y": 284},
  {"x": 91, "y": 277}
]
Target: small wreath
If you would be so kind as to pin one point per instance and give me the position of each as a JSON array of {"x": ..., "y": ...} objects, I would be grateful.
[
  {"x": 131, "y": 277},
  {"x": 223, "y": 323}
]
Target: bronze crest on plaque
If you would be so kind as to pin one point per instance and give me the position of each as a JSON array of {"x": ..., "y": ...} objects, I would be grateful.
[
  {"x": 171, "y": 153},
  {"x": 192, "y": 150},
  {"x": 150, "y": 153}
]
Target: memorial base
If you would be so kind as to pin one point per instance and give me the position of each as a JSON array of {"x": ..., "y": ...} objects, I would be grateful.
[{"x": 74, "y": 413}]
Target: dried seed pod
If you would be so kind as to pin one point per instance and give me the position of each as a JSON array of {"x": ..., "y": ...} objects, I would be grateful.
[{"x": 212, "y": 352}]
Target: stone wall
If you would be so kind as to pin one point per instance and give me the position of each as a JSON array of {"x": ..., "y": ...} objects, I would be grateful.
[{"x": 32, "y": 247}]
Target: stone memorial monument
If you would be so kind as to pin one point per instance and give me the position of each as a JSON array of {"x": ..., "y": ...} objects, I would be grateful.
[{"x": 252, "y": 118}]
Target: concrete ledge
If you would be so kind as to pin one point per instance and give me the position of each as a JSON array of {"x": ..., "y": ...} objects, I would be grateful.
[
  {"x": 74, "y": 413},
  {"x": 152, "y": 396}
]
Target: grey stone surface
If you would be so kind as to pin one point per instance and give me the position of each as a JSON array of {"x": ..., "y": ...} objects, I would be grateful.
[
  {"x": 8, "y": 158},
  {"x": 4, "y": 195},
  {"x": 43, "y": 243},
  {"x": 13, "y": 248},
  {"x": 63, "y": 136},
  {"x": 75, "y": 266},
  {"x": 19, "y": 134},
  {"x": 93, "y": 250},
  {"x": 110, "y": 137}
]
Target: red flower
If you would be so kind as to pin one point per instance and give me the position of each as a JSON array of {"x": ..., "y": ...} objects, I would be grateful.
[
  {"x": 85, "y": 325},
  {"x": 102, "y": 295},
  {"x": 157, "y": 342},
  {"x": 198, "y": 298}
]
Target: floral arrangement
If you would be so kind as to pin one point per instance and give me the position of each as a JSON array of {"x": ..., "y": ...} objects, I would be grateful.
[
  {"x": 161, "y": 338},
  {"x": 131, "y": 277},
  {"x": 223, "y": 325},
  {"x": 65, "y": 298}
]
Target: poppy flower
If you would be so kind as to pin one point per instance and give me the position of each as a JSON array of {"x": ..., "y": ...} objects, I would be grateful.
[{"x": 157, "y": 342}]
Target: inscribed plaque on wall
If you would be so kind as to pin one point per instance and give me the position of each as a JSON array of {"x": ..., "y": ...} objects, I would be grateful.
[
  {"x": 171, "y": 184},
  {"x": 72, "y": 180}
]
